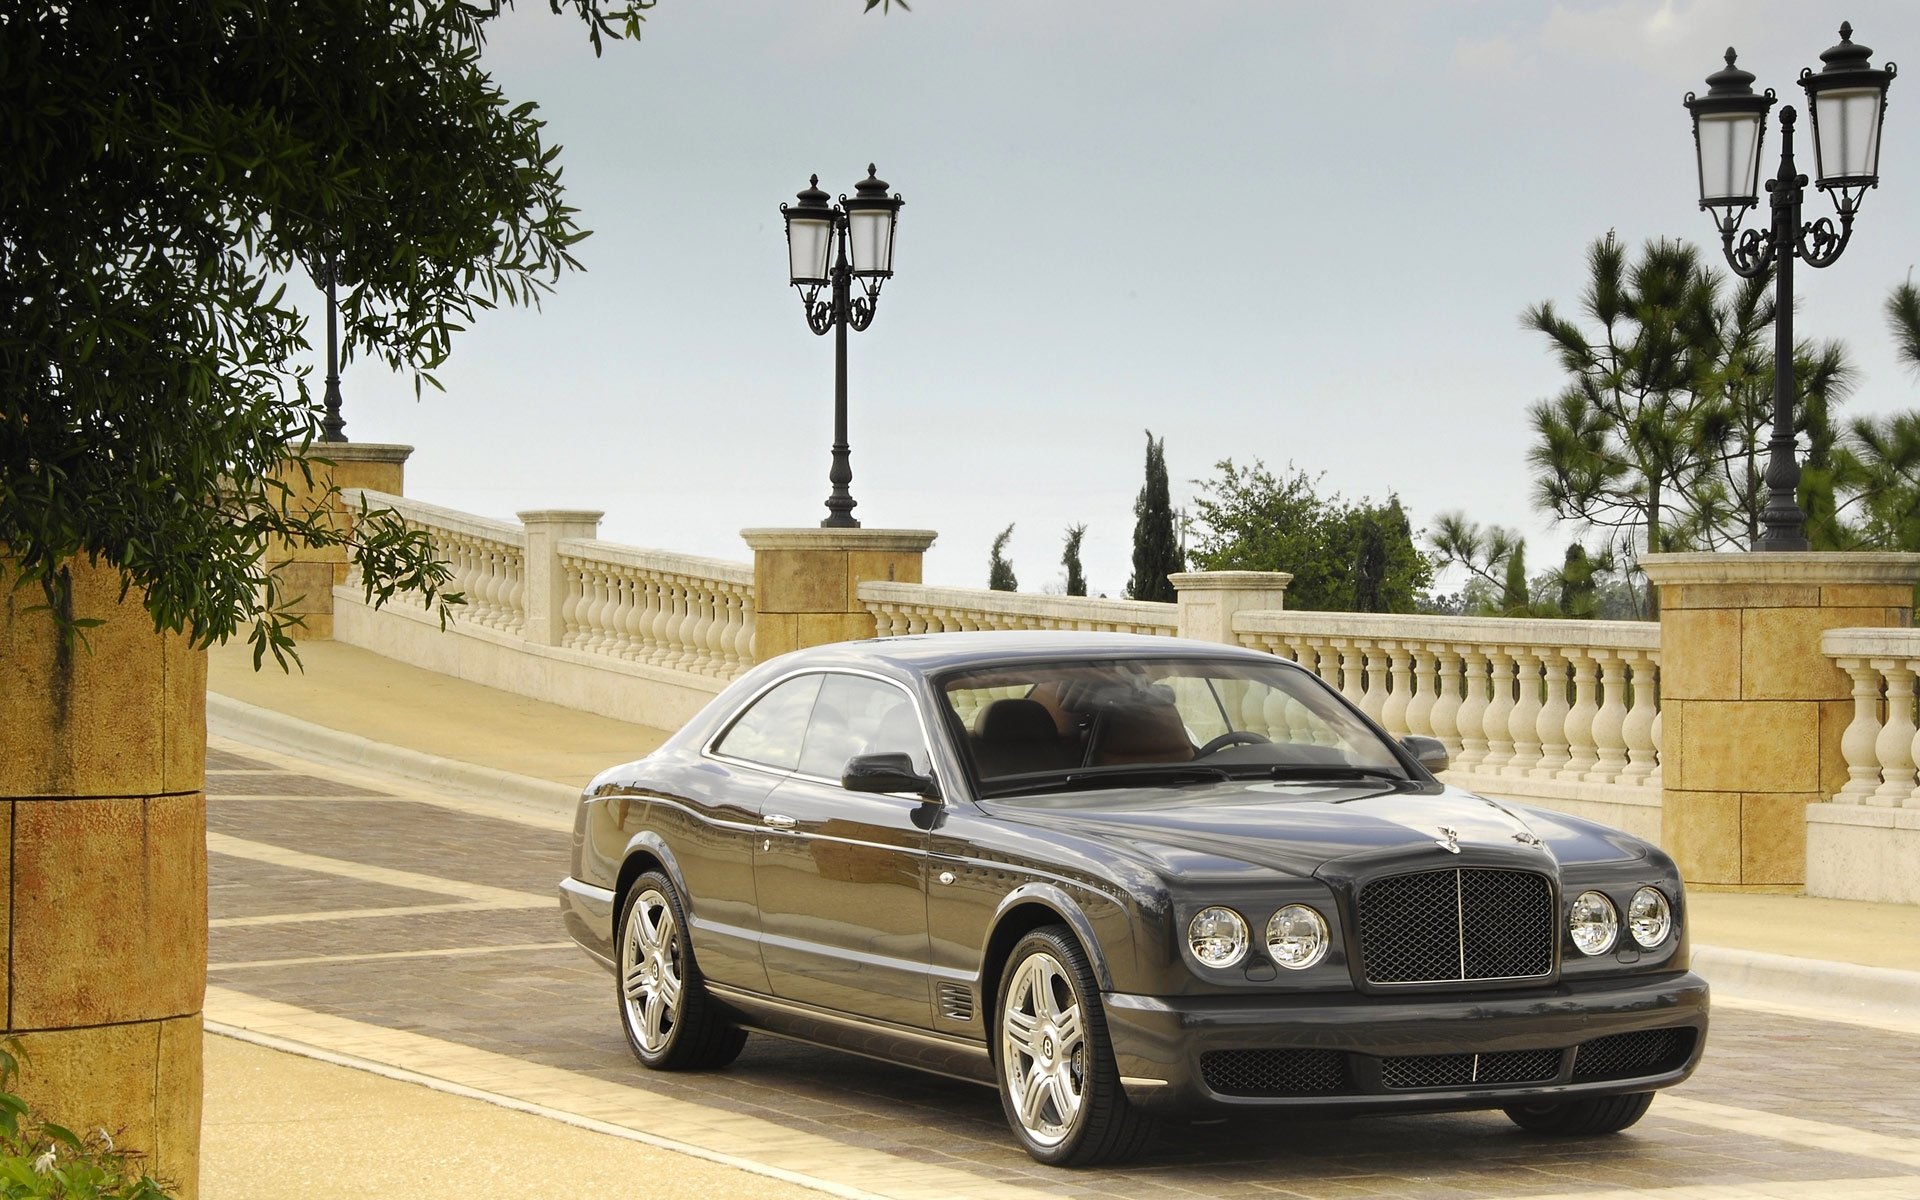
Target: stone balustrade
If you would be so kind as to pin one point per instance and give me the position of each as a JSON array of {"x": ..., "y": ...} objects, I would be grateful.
[
  {"x": 1881, "y": 741},
  {"x": 901, "y": 608},
  {"x": 487, "y": 557},
  {"x": 1525, "y": 699},
  {"x": 669, "y": 610}
]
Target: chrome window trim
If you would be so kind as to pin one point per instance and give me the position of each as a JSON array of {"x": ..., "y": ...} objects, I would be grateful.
[{"x": 710, "y": 750}]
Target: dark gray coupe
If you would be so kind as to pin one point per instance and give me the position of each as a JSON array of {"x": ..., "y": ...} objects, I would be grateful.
[{"x": 1119, "y": 877}]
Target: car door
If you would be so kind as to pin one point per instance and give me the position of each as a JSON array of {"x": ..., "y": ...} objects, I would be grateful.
[
  {"x": 715, "y": 848},
  {"x": 841, "y": 876}
]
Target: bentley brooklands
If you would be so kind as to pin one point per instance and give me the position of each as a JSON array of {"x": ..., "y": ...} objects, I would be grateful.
[{"x": 1121, "y": 879}]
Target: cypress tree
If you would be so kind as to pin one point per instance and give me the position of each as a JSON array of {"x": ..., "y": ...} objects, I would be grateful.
[
  {"x": 1514, "y": 598},
  {"x": 1076, "y": 579},
  {"x": 999, "y": 570},
  {"x": 1156, "y": 553}
]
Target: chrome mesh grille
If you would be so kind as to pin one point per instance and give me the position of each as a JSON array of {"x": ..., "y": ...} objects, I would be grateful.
[
  {"x": 1457, "y": 926},
  {"x": 1406, "y": 1071},
  {"x": 1274, "y": 1072},
  {"x": 1625, "y": 1055}
]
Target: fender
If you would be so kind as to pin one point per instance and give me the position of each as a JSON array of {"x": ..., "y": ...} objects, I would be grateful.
[
  {"x": 655, "y": 846},
  {"x": 1057, "y": 899}
]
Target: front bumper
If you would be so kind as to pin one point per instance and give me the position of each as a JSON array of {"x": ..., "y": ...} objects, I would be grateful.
[{"x": 1367, "y": 1053}]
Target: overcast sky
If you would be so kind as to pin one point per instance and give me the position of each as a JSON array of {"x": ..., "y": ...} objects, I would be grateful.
[{"x": 1298, "y": 232}]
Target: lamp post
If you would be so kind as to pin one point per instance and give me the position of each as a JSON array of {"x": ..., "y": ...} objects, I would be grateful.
[
  {"x": 857, "y": 236},
  {"x": 332, "y": 427},
  {"x": 1848, "y": 98}
]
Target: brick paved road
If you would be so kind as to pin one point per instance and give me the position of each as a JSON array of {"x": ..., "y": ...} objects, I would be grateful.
[{"x": 369, "y": 907}]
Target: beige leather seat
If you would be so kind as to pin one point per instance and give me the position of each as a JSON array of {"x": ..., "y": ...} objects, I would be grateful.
[
  {"x": 1014, "y": 736},
  {"x": 1148, "y": 734}
]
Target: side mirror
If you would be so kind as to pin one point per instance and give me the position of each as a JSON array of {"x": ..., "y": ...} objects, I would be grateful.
[
  {"x": 887, "y": 773},
  {"x": 1430, "y": 753}
]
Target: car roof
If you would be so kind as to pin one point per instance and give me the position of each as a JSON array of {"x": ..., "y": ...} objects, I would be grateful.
[{"x": 924, "y": 653}]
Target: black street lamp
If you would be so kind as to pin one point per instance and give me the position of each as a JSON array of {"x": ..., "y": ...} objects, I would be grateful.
[
  {"x": 332, "y": 427},
  {"x": 857, "y": 235},
  {"x": 1849, "y": 100}
]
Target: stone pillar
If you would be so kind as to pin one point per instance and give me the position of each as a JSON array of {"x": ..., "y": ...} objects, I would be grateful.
[
  {"x": 103, "y": 868},
  {"x": 1209, "y": 600},
  {"x": 1752, "y": 711},
  {"x": 546, "y": 587},
  {"x": 806, "y": 582},
  {"x": 309, "y": 572}
]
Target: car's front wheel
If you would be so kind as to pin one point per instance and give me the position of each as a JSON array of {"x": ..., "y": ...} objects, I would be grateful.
[
  {"x": 671, "y": 1023},
  {"x": 1058, "y": 1082},
  {"x": 1582, "y": 1118}
]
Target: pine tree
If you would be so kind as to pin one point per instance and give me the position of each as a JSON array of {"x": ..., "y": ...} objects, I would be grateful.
[
  {"x": 1076, "y": 579},
  {"x": 1156, "y": 552},
  {"x": 999, "y": 570}
]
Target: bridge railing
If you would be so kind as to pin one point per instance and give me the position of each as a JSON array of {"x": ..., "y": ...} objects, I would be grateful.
[{"x": 901, "y": 608}]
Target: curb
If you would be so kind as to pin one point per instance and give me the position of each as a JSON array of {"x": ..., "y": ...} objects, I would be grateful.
[
  {"x": 270, "y": 730},
  {"x": 1837, "y": 988}
]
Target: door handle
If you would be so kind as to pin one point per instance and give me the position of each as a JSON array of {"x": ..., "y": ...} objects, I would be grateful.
[{"x": 778, "y": 821}]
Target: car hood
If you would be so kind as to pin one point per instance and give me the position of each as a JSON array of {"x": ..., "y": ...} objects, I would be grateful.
[{"x": 1295, "y": 828}]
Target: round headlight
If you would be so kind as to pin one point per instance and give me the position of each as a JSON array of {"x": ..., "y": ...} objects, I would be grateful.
[
  {"x": 1297, "y": 937},
  {"x": 1217, "y": 936},
  {"x": 1594, "y": 923},
  {"x": 1650, "y": 917}
]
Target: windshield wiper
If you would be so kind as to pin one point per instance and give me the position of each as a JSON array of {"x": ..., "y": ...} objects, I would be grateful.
[
  {"x": 1326, "y": 771},
  {"x": 1170, "y": 774}
]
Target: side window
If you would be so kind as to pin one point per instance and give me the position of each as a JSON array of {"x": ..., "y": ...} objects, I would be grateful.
[
  {"x": 771, "y": 731},
  {"x": 857, "y": 715}
]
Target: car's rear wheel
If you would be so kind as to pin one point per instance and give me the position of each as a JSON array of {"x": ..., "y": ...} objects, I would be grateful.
[
  {"x": 670, "y": 1021},
  {"x": 1582, "y": 1118},
  {"x": 1058, "y": 1082}
]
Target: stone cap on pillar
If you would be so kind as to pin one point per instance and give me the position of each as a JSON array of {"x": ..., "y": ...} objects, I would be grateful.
[
  {"x": 1784, "y": 566},
  {"x": 908, "y": 540},
  {"x": 561, "y": 516},
  {"x": 379, "y": 452},
  {"x": 1220, "y": 581}
]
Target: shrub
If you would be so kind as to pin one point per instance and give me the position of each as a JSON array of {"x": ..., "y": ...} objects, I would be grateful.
[{"x": 43, "y": 1161}]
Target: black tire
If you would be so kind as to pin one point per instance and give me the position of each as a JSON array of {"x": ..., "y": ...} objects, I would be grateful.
[
  {"x": 670, "y": 1022},
  {"x": 1581, "y": 1118},
  {"x": 1079, "y": 1116}
]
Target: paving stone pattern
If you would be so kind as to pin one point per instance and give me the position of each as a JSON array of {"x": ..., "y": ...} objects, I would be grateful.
[{"x": 555, "y": 1007}]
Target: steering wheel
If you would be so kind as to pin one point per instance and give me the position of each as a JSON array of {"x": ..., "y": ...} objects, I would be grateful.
[{"x": 1233, "y": 737}]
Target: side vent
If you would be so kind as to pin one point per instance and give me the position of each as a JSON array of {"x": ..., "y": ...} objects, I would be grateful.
[{"x": 956, "y": 1002}]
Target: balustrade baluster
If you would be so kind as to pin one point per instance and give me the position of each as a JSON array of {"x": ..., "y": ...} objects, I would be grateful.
[
  {"x": 1445, "y": 714},
  {"x": 1420, "y": 688},
  {"x": 1523, "y": 723},
  {"x": 1609, "y": 724},
  {"x": 1551, "y": 727},
  {"x": 1375, "y": 679},
  {"x": 1472, "y": 714},
  {"x": 517, "y": 592},
  {"x": 1499, "y": 715},
  {"x": 570, "y": 608},
  {"x": 1637, "y": 730},
  {"x": 1857, "y": 744},
  {"x": 1399, "y": 697},
  {"x": 1895, "y": 743},
  {"x": 1653, "y": 777},
  {"x": 1582, "y": 751}
]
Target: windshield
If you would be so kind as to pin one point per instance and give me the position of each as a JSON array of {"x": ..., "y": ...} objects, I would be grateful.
[{"x": 1032, "y": 726}]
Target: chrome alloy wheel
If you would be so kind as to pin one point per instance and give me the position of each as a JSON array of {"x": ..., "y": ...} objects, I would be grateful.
[
  {"x": 1043, "y": 1044},
  {"x": 649, "y": 975}
]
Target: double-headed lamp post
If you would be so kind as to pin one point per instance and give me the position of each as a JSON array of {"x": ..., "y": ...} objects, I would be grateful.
[
  {"x": 830, "y": 246},
  {"x": 1848, "y": 98}
]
